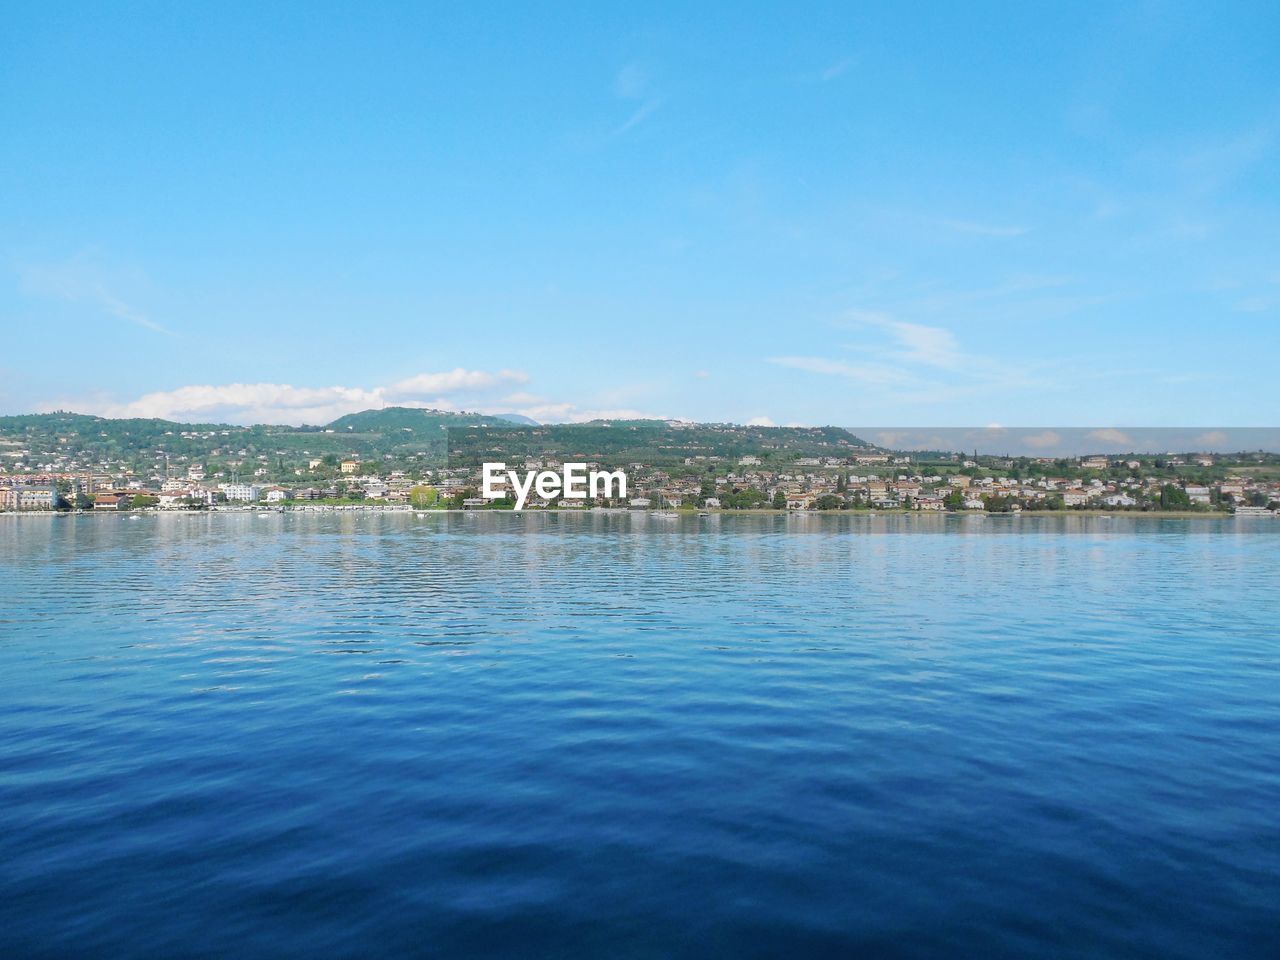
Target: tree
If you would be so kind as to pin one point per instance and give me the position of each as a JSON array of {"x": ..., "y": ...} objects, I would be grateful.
[
  {"x": 954, "y": 501},
  {"x": 421, "y": 497},
  {"x": 779, "y": 500},
  {"x": 1174, "y": 498},
  {"x": 828, "y": 501},
  {"x": 467, "y": 493}
]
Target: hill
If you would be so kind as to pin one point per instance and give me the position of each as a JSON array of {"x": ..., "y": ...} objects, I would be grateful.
[
  {"x": 396, "y": 435},
  {"x": 653, "y": 442}
]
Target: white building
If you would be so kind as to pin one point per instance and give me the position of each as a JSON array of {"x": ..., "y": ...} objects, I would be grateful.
[
  {"x": 1120, "y": 500},
  {"x": 245, "y": 492}
]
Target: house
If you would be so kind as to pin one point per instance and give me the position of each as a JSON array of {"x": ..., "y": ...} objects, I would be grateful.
[
  {"x": 1120, "y": 500},
  {"x": 712, "y": 503},
  {"x": 958, "y": 480},
  {"x": 245, "y": 492},
  {"x": 639, "y": 503},
  {"x": 799, "y": 501},
  {"x": 1198, "y": 494},
  {"x": 177, "y": 499},
  {"x": 112, "y": 500},
  {"x": 1075, "y": 498},
  {"x": 275, "y": 494},
  {"x": 350, "y": 466}
]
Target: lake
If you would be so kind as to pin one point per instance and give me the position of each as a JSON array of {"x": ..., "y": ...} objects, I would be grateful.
[{"x": 605, "y": 735}]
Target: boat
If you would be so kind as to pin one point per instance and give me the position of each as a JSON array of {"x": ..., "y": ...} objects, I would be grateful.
[{"x": 1253, "y": 512}]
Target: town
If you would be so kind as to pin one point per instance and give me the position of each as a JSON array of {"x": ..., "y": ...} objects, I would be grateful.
[{"x": 58, "y": 465}]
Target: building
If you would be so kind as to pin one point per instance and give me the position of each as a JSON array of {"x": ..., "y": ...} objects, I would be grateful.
[
  {"x": 244, "y": 492},
  {"x": 350, "y": 466},
  {"x": 1199, "y": 494},
  {"x": 112, "y": 500},
  {"x": 28, "y": 498}
]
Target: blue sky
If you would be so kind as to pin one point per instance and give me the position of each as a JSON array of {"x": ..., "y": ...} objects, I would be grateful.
[{"x": 946, "y": 214}]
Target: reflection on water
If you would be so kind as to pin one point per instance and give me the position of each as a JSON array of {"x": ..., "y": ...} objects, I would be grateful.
[{"x": 615, "y": 735}]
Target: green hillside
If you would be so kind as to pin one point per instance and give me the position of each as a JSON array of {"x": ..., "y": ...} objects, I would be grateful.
[
  {"x": 655, "y": 442},
  {"x": 398, "y": 435}
]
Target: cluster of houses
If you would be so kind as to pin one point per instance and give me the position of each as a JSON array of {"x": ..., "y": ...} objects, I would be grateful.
[{"x": 869, "y": 479}]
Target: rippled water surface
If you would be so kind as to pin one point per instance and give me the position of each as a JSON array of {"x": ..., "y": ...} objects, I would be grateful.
[{"x": 616, "y": 736}]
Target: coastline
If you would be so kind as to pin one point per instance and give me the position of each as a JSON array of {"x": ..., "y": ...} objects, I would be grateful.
[{"x": 616, "y": 511}]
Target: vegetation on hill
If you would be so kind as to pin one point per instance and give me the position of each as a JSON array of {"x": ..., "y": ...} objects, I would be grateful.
[
  {"x": 403, "y": 434},
  {"x": 653, "y": 442}
]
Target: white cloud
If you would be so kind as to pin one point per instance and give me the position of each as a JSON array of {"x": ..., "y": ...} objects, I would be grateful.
[
  {"x": 451, "y": 381},
  {"x": 288, "y": 404},
  {"x": 760, "y": 422},
  {"x": 1112, "y": 436},
  {"x": 239, "y": 403},
  {"x": 1040, "y": 441},
  {"x": 571, "y": 413},
  {"x": 479, "y": 391}
]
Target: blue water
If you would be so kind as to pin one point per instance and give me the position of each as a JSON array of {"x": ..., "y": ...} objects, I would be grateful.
[{"x": 614, "y": 736}]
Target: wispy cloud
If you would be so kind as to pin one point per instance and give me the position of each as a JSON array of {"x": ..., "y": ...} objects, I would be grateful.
[
  {"x": 832, "y": 71},
  {"x": 633, "y": 85},
  {"x": 836, "y": 70},
  {"x": 985, "y": 229},
  {"x": 869, "y": 373},
  {"x": 83, "y": 280},
  {"x": 910, "y": 362}
]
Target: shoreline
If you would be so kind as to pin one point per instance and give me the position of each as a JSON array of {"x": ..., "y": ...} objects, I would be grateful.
[{"x": 616, "y": 511}]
